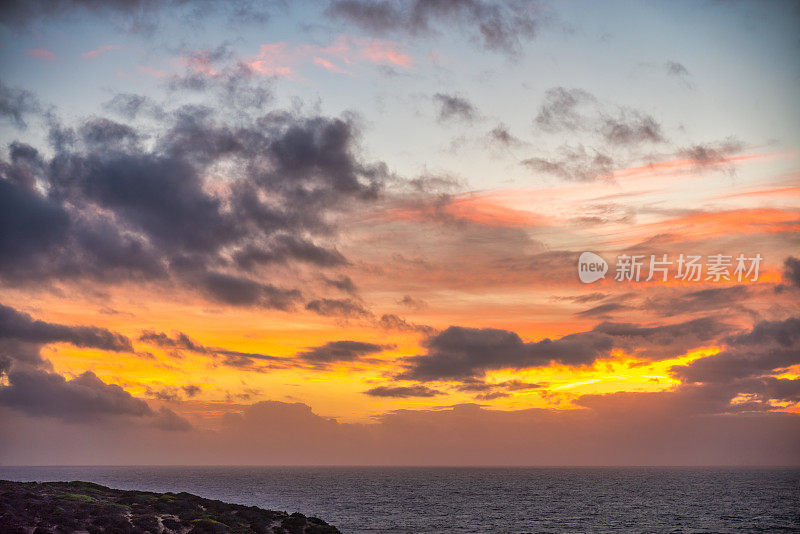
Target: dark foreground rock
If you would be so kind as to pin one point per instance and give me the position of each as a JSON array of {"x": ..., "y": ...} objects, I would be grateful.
[{"x": 65, "y": 507}]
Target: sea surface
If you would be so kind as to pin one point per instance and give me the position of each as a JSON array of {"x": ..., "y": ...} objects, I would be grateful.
[{"x": 486, "y": 500}]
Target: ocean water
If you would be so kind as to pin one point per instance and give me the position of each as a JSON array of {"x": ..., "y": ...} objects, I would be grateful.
[{"x": 486, "y": 500}]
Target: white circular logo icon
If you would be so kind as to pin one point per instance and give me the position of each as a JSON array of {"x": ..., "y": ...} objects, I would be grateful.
[{"x": 591, "y": 267}]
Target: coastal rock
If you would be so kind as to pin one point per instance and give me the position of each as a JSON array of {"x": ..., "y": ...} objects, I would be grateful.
[{"x": 78, "y": 507}]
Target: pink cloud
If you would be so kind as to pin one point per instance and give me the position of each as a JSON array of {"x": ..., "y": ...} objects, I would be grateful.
[
  {"x": 351, "y": 50},
  {"x": 339, "y": 49},
  {"x": 200, "y": 62},
  {"x": 385, "y": 52},
  {"x": 327, "y": 65},
  {"x": 41, "y": 53},
  {"x": 280, "y": 60},
  {"x": 155, "y": 73},
  {"x": 273, "y": 59},
  {"x": 91, "y": 54}
]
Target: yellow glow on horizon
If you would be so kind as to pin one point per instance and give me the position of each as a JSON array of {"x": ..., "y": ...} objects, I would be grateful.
[{"x": 337, "y": 390}]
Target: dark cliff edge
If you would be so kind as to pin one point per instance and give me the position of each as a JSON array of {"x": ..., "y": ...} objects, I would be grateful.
[{"x": 67, "y": 507}]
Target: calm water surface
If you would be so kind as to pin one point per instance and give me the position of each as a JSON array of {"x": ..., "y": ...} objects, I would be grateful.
[{"x": 462, "y": 500}]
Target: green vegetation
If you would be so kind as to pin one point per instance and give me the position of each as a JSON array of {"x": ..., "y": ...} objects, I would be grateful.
[
  {"x": 78, "y": 497},
  {"x": 84, "y": 506}
]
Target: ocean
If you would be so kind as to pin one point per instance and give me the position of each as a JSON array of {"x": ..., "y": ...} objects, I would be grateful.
[{"x": 486, "y": 500}]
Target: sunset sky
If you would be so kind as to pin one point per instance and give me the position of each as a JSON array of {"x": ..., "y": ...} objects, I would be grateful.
[{"x": 348, "y": 232}]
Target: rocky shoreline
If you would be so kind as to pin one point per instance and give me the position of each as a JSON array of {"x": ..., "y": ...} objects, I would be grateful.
[{"x": 76, "y": 507}]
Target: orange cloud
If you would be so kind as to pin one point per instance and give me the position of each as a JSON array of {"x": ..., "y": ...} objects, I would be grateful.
[
  {"x": 477, "y": 207},
  {"x": 481, "y": 209},
  {"x": 678, "y": 165},
  {"x": 730, "y": 222},
  {"x": 790, "y": 191},
  {"x": 556, "y": 205}
]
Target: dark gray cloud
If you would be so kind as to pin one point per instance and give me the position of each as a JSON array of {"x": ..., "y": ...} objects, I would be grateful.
[
  {"x": 516, "y": 385},
  {"x": 602, "y": 309},
  {"x": 136, "y": 16},
  {"x": 575, "y": 164},
  {"x": 501, "y": 136},
  {"x": 234, "y": 85},
  {"x": 454, "y": 107},
  {"x": 500, "y": 26},
  {"x": 286, "y": 248},
  {"x": 488, "y": 391},
  {"x": 24, "y": 166},
  {"x": 664, "y": 341},
  {"x": 191, "y": 390},
  {"x": 249, "y": 361},
  {"x": 727, "y": 396},
  {"x": 319, "y": 356},
  {"x": 83, "y": 398},
  {"x": 46, "y": 238},
  {"x": 731, "y": 365},
  {"x": 162, "y": 196},
  {"x": 714, "y": 156},
  {"x": 684, "y": 401},
  {"x": 37, "y": 392},
  {"x": 402, "y": 391},
  {"x": 589, "y": 297},
  {"x": 767, "y": 347},
  {"x": 463, "y": 354},
  {"x": 130, "y": 106},
  {"x": 676, "y": 69},
  {"x": 239, "y": 290},
  {"x": 16, "y": 103},
  {"x": 561, "y": 110},
  {"x": 343, "y": 283},
  {"x": 413, "y": 303},
  {"x": 25, "y": 353},
  {"x": 107, "y": 207},
  {"x": 631, "y": 128},
  {"x": 459, "y": 353},
  {"x": 166, "y": 393},
  {"x": 492, "y": 395},
  {"x": 509, "y": 385},
  {"x": 338, "y": 308},
  {"x": 30, "y": 224},
  {"x": 166, "y": 419},
  {"x": 99, "y": 132},
  {"x": 339, "y": 351},
  {"x": 791, "y": 271},
  {"x": 390, "y": 321},
  {"x": 575, "y": 110},
  {"x": 22, "y": 327},
  {"x": 727, "y": 298},
  {"x": 784, "y": 333},
  {"x": 180, "y": 342}
]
